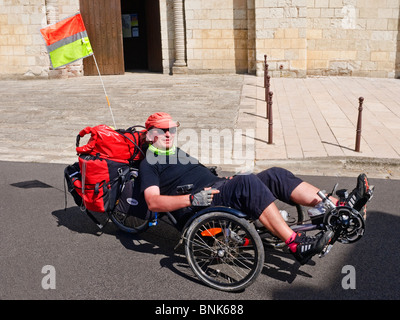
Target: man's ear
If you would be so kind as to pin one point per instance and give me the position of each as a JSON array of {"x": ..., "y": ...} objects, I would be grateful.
[{"x": 151, "y": 137}]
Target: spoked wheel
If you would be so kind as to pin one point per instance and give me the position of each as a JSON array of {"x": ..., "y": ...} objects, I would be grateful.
[
  {"x": 128, "y": 223},
  {"x": 224, "y": 251}
]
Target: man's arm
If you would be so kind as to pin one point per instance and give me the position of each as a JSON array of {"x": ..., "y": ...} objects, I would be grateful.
[{"x": 160, "y": 203}]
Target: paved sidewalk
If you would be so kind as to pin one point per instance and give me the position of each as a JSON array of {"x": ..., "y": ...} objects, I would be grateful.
[
  {"x": 41, "y": 118},
  {"x": 314, "y": 119}
]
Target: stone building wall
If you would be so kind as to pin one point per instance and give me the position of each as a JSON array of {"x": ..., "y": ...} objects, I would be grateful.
[
  {"x": 22, "y": 50},
  {"x": 300, "y": 37},
  {"x": 352, "y": 37},
  {"x": 281, "y": 34},
  {"x": 329, "y": 37},
  {"x": 217, "y": 35}
]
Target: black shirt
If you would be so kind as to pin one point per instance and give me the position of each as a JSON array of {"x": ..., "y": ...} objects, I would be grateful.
[{"x": 169, "y": 171}]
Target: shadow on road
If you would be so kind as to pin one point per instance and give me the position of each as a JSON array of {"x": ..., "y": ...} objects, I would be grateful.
[
  {"x": 375, "y": 260},
  {"x": 159, "y": 240}
]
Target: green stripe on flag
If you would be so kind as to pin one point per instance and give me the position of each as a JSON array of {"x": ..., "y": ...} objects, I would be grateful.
[{"x": 71, "y": 52}]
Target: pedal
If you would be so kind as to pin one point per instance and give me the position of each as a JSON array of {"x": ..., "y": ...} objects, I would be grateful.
[{"x": 370, "y": 192}]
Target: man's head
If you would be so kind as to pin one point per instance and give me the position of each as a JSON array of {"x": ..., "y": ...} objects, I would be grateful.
[{"x": 161, "y": 129}]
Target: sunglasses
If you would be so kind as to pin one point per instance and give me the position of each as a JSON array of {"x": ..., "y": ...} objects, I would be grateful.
[{"x": 163, "y": 131}]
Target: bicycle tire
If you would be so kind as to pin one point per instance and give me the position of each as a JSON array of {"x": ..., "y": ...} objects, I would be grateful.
[
  {"x": 219, "y": 258},
  {"x": 130, "y": 224},
  {"x": 300, "y": 214}
]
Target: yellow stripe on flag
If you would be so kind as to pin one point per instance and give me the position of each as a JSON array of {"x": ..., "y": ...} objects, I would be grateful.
[{"x": 71, "y": 52}]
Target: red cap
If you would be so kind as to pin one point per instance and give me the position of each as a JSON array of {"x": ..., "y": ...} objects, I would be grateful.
[{"x": 160, "y": 120}]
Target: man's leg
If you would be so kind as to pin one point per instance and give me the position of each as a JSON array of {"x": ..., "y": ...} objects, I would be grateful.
[
  {"x": 301, "y": 246},
  {"x": 251, "y": 195},
  {"x": 273, "y": 221},
  {"x": 281, "y": 183},
  {"x": 305, "y": 194},
  {"x": 290, "y": 189}
]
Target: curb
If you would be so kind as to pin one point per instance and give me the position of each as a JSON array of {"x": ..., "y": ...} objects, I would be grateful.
[{"x": 350, "y": 166}]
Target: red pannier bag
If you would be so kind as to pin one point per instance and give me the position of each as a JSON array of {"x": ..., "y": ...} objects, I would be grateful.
[
  {"x": 100, "y": 182},
  {"x": 117, "y": 145},
  {"x": 96, "y": 180}
]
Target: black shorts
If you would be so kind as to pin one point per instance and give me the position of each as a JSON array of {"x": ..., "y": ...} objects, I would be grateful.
[{"x": 252, "y": 193}]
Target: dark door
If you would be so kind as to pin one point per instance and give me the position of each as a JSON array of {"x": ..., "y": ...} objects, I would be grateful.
[
  {"x": 154, "y": 55},
  {"x": 134, "y": 34},
  {"x": 141, "y": 34},
  {"x": 102, "y": 20}
]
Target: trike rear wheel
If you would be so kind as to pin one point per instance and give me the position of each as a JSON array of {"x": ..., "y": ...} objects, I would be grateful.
[{"x": 129, "y": 223}]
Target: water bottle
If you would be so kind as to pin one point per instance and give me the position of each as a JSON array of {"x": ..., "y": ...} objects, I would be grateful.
[{"x": 284, "y": 214}]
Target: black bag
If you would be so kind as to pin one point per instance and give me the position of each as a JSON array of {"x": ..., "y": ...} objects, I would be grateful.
[{"x": 71, "y": 174}]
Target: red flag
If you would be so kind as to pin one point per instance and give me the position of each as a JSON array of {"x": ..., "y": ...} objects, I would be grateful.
[{"x": 67, "y": 41}]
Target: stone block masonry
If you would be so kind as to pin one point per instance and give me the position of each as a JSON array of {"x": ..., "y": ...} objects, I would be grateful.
[
  {"x": 300, "y": 37},
  {"x": 217, "y": 36},
  {"x": 328, "y": 37},
  {"x": 22, "y": 50},
  {"x": 349, "y": 37}
]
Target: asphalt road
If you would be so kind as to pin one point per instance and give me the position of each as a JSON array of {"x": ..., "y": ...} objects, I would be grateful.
[{"x": 36, "y": 231}]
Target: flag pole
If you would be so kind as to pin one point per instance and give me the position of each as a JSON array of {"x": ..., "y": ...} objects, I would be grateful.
[{"x": 104, "y": 88}]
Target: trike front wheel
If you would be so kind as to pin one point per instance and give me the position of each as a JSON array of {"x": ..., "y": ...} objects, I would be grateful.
[{"x": 224, "y": 251}]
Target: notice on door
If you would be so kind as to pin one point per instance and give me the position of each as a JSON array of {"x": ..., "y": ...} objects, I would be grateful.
[{"x": 130, "y": 25}]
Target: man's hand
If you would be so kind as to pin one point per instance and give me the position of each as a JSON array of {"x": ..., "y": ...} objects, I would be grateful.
[{"x": 203, "y": 198}]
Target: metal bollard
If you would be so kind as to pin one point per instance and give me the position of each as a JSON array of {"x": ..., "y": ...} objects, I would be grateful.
[
  {"x": 267, "y": 97},
  {"x": 359, "y": 123},
  {"x": 266, "y": 78},
  {"x": 265, "y": 70},
  {"x": 270, "y": 121}
]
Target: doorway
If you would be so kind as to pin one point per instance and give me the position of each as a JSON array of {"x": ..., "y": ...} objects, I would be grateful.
[
  {"x": 125, "y": 35},
  {"x": 141, "y": 35}
]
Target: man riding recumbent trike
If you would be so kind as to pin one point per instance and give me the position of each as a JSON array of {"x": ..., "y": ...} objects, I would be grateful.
[{"x": 225, "y": 222}]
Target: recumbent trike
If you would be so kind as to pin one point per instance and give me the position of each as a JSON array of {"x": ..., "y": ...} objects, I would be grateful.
[{"x": 225, "y": 248}]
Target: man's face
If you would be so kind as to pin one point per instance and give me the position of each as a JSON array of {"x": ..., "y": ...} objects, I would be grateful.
[{"x": 163, "y": 139}]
